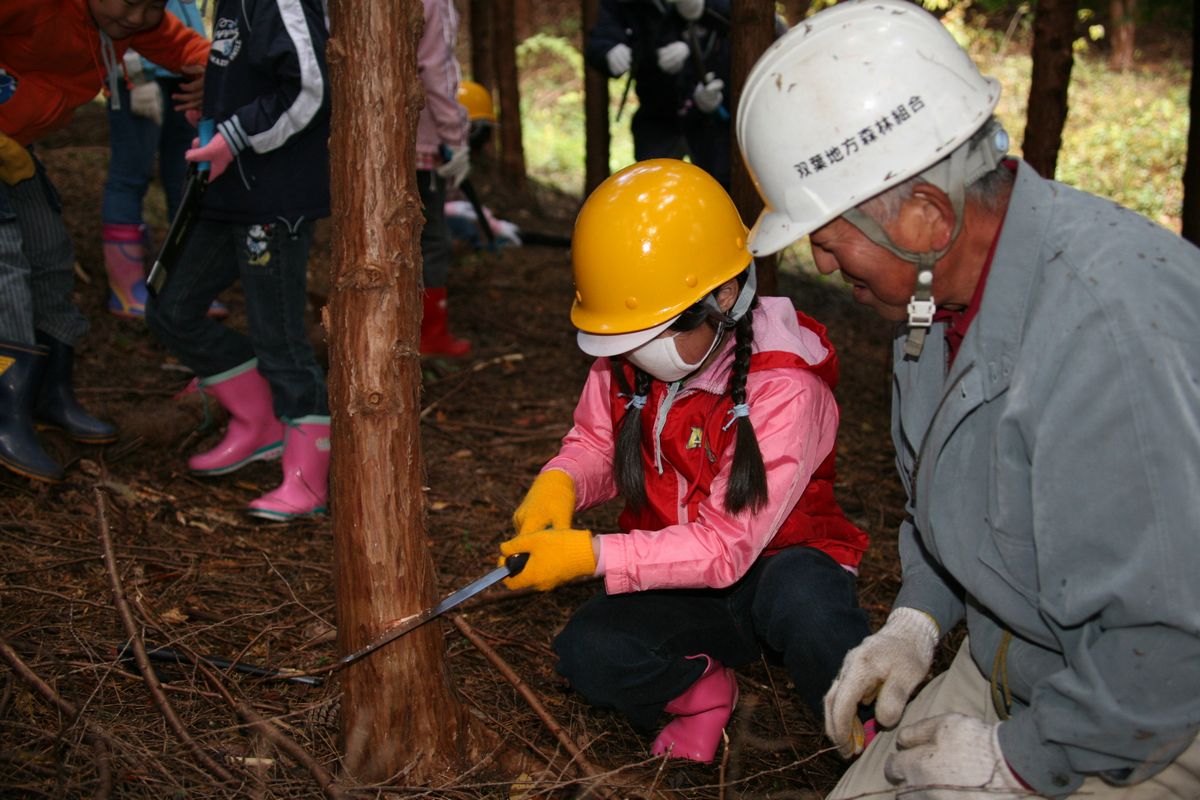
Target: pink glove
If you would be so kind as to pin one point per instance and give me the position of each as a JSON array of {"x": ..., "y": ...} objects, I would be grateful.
[{"x": 216, "y": 153}]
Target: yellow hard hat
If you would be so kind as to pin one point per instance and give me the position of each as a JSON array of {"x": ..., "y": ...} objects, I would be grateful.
[
  {"x": 649, "y": 242},
  {"x": 477, "y": 100}
]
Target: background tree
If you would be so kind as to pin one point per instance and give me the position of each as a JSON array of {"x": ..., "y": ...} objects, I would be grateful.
[
  {"x": 483, "y": 55},
  {"x": 752, "y": 29},
  {"x": 596, "y": 135},
  {"x": 512, "y": 151},
  {"x": 1191, "y": 170},
  {"x": 1122, "y": 25},
  {"x": 1053, "y": 37},
  {"x": 398, "y": 709}
]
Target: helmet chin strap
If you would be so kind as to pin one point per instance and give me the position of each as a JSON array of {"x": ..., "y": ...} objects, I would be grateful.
[
  {"x": 727, "y": 319},
  {"x": 967, "y": 164}
]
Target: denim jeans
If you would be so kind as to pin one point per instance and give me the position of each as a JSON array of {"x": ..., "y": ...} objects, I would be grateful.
[
  {"x": 436, "y": 248},
  {"x": 135, "y": 143},
  {"x": 630, "y": 651},
  {"x": 272, "y": 262}
]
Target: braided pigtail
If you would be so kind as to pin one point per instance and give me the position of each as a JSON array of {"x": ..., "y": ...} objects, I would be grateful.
[
  {"x": 748, "y": 478},
  {"x": 627, "y": 458}
]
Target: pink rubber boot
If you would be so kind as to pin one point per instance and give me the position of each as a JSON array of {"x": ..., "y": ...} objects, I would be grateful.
[
  {"x": 124, "y": 261},
  {"x": 254, "y": 433},
  {"x": 701, "y": 713},
  {"x": 305, "y": 486}
]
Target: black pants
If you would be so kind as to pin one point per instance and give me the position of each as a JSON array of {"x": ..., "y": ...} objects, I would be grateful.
[{"x": 629, "y": 652}]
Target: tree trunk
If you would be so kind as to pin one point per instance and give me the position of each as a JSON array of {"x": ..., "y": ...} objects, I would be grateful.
[
  {"x": 1053, "y": 35},
  {"x": 1121, "y": 20},
  {"x": 483, "y": 55},
  {"x": 595, "y": 113},
  {"x": 1191, "y": 170},
  {"x": 753, "y": 29},
  {"x": 398, "y": 708},
  {"x": 796, "y": 10},
  {"x": 512, "y": 151}
]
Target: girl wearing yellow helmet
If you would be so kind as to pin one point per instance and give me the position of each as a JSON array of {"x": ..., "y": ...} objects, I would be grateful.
[{"x": 710, "y": 411}]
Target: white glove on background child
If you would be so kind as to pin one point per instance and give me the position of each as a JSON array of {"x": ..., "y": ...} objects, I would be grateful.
[
  {"x": 145, "y": 96},
  {"x": 620, "y": 59},
  {"x": 691, "y": 10},
  {"x": 885, "y": 667},
  {"x": 457, "y": 165},
  {"x": 671, "y": 57},
  {"x": 708, "y": 94},
  {"x": 958, "y": 754}
]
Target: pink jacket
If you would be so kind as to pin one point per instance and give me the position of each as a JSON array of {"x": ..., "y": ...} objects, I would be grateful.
[
  {"x": 443, "y": 120},
  {"x": 795, "y": 418}
]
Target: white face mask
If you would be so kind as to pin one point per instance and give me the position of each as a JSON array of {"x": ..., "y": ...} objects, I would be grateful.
[{"x": 660, "y": 358}]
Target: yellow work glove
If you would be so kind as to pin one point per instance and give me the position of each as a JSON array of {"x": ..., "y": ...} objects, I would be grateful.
[
  {"x": 549, "y": 503},
  {"x": 555, "y": 557},
  {"x": 16, "y": 164}
]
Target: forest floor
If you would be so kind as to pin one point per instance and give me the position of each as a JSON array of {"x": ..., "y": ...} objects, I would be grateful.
[{"x": 197, "y": 572}]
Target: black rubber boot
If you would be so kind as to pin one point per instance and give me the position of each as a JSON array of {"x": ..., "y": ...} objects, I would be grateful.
[
  {"x": 56, "y": 406},
  {"x": 21, "y": 369}
]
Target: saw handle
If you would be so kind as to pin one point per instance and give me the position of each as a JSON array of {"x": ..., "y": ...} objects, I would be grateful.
[{"x": 515, "y": 563}]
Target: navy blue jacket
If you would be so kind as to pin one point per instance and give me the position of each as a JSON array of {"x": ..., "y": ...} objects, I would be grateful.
[
  {"x": 645, "y": 26},
  {"x": 267, "y": 87}
]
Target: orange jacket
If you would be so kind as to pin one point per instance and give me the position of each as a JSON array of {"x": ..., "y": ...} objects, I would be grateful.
[{"x": 51, "y": 49}]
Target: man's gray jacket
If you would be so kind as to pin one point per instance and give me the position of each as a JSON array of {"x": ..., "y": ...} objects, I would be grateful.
[{"x": 1053, "y": 479}]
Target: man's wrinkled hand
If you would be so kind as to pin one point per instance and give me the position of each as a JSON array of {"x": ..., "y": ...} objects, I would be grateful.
[
  {"x": 16, "y": 162},
  {"x": 555, "y": 557}
]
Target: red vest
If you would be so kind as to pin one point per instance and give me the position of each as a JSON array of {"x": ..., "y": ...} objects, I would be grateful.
[{"x": 692, "y": 442}]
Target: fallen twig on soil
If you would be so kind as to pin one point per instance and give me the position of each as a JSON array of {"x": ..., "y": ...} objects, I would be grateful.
[
  {"x": 139, "y": 649},
  {"x": 585, "y": 766}
]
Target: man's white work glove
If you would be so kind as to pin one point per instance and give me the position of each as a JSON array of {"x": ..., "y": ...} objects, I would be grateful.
[
  {"x": 884, "y": 669},
  {"x": 146, "y": 100},
  {"x": 691, "y": 10},
  {"x": 458, "y": 164},
  {"x": 952, "y": 757},
  {"x": 620, "y": 59},
  {"x": 671, "y": 57},
  {"x": 708, "y": 93}
]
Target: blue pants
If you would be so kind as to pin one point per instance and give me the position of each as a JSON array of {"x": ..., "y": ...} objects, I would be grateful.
[
  {"x": 135, "y": 144},
  {"x": 272, "y": 263},
  {"x": 36, "y": 264},
  {"x": 436, "y": 248},
  {"x": 702, "y": 137},
  {"x": 630, "y": 651}
]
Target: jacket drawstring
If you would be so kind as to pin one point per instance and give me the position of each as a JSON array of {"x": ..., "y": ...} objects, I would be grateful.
[
  {"x": 108, "y": 54},
  {"x": 660, "y": 421}
]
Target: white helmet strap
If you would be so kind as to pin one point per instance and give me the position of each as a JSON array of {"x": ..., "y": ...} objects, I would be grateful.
[{"x": 968, "y": 163}]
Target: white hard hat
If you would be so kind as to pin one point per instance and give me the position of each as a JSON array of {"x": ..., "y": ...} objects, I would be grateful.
[{"x": 853, "y": 100}]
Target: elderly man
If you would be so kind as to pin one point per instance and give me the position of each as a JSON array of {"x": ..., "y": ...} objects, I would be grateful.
[{"x": 1046, "y": 422}]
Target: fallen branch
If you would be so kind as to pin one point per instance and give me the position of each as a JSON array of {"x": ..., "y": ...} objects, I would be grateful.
[
  {"x": 270, "y": 731},
  {"x": 100, "y": 740},
  {"x": 578, "y": 758},
  {"x": 139, "y": 650}
]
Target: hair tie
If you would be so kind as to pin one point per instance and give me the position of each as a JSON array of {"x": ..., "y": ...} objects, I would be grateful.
[
  {"x": 637, "y": 401},
  {"x": 739, "y": 410}
]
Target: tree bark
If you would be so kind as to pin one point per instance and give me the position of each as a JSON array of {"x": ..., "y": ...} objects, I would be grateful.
[
  {"x": 399, "y": 710},
  {"x": 1053, "y": 35},
  {"x": 1121, "y": 21},
  {"x": 753, "y": 29},
  {"x": 512, "y": 151},
  {"x": 595, "y": 113},
  {"x": 483, "y": 55},
  {"x": 1191, "y": 169}
]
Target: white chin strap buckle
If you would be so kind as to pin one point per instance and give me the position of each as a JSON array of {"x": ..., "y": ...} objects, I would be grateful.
[{"x": 920, "y": 312}]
